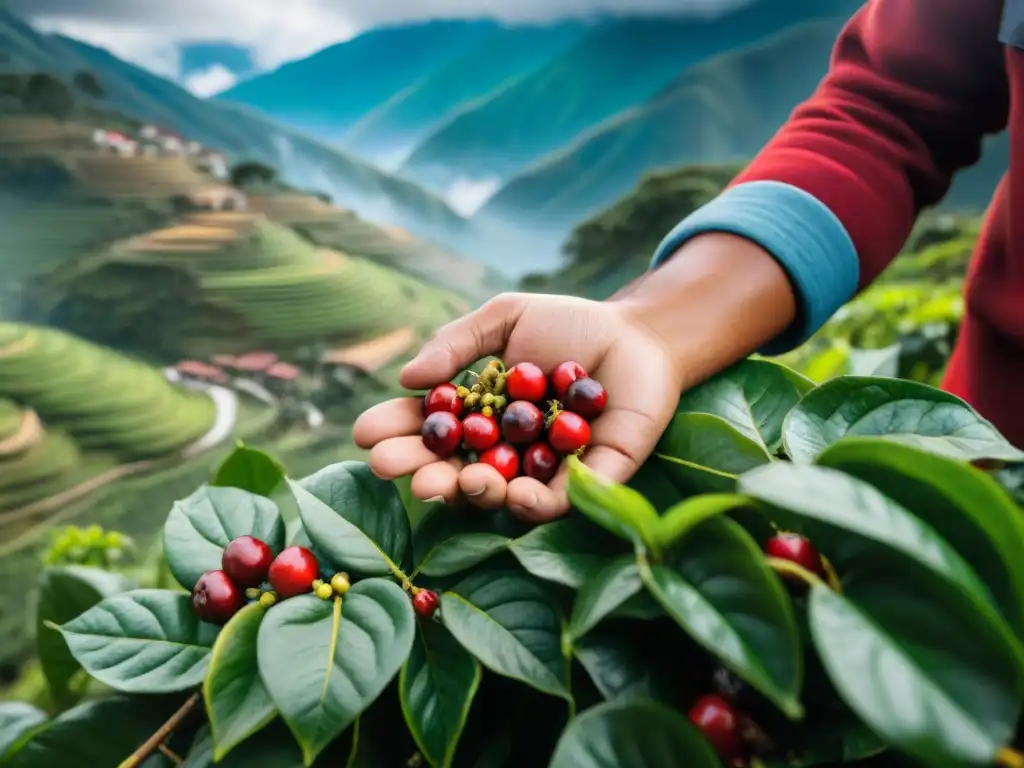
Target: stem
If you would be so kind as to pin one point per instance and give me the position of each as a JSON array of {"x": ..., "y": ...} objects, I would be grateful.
[
  {"x": 1007, "y": 757},
  {"x": 154, "y": 742},
  {"x": 833, "y": 577},
  {"x": 789, "y": 568},
  {"x": 171, "y": 755}
]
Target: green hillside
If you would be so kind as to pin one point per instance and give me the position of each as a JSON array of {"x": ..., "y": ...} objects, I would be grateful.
[
  {"x": 387, "y": 133},
  {"x": 619, "y": 65}
]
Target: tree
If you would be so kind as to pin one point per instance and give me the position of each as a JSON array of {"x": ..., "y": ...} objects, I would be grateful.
[
  {"x": 45, "y": 93},
  {"x": 252, "y": 172},
  {"x": 89, "y": 84}
]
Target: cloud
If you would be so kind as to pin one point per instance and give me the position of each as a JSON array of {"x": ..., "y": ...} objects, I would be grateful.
[
  {"x": 210, "y": 81},
  {"x": 149, "y": 32}
]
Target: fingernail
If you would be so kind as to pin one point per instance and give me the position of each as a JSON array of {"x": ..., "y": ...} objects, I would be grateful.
[
  {"x": 479, "y": 492},
  {"x": 434, "y": 500}
]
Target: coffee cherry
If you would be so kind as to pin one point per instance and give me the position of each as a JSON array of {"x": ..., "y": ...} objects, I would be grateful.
[
  {"x": 442, "y": 433},
  {"x": 526, "y": 382},
  {"x": 568, "y": 432},
  {"x": 340, "y": 583},
  {"x": 246, "y": 561},
  {"x": 586, "y": 397},
  {"x": 797, "y": 549},
  {"x": 564, "y": 375},
  {"x": 502, "y": 457},
  {"x": 480, "y": 432},
  {"x": 425, "y": 603},
  {"x": 293, "y": 571},
  {"x": 522, "y": 422},
  {"x": 540, "y": 462},
  {"x": 720, "y": 724},
  {"x": 443, "y": 397},
  {"x": 215, "y": 598},
  {"x": 268, "y": 599}
]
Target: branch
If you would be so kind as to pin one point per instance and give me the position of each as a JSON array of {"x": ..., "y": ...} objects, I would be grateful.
[{"x": 154, "y": 742}]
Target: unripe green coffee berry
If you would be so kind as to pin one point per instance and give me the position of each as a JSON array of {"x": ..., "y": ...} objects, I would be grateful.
[
  {"x": 267, "y": 599},
  {"x": 487, "y": 411},
  {"x": 316, "y": 584},
  {"x": 499, "y": 402},
  {"x": 253, "y": 593},
  {"x": 476, "y": 389},
  {"x": 340, "y": 583},
  {"x": 487, "y": 399},
  {"x": 462, "y": 392},
  {"x": 499, "y": 383},
  {"x": 494, "y": 364},
  {"x": 324, "y": 591},
  {"x": 488, "y": 377},
  {"x": 472, "y": 399}
]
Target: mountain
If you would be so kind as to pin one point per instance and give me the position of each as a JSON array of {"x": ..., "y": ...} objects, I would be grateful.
[
  {"x": 239, "y": 133},
  {"x": 619, "y": 65},
  {"x": 387, "y": 134},
  {"x": 331, "y": 90}
]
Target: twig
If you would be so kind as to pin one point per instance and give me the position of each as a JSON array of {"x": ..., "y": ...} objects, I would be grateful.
[
  {"x": 789, "y": 568},
  {"x": 1006, "y": 757},
  {"x": 171, "y": 755},
  {"x": 154, "y": 742}
]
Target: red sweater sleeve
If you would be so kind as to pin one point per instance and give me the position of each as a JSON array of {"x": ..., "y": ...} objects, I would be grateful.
[{"x": 913, "y": 87}]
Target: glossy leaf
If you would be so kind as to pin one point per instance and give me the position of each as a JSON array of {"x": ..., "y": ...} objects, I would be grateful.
[
  {"x": 65, "y": 593},
  {"x": 273, "y": 747},
  {"x": 145, "y": 641},
  {"x": 612, "y": 586},
  {"x": 614, "y": 507},
  {"x": 903, "y": 411},
  {"x": 753, "y": 397},
  {"x": 683, "y": 517},
  {"x": 251, "y": 470},
  {"x": 632, "y": 734},
  {"x": 963, "y": 505},
  {"x": 325, "y": 661},
  {"x": 437, "y": 686},
  {"x": 237, "y": 702},
  {"x": 415, "y": 509},
  {"x": 918, "y": 668},
  {"x": 704, "y": 453},
  {"x": 568, "y": 551},
  {"x": 619, "y": 667},
  {"x": 18, "y": 722},
  {"x": 510, "y": 624},
  {"x": 202, "y": 525},
  {"x": 719, "y": 590},
  {"x": 447, "y": 541}
]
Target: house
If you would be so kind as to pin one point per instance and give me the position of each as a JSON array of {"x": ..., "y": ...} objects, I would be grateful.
[
  {"x": 194, "y": 148},
  {"x": 171, "y": 144},
  {"x": 149, "y": 132}
]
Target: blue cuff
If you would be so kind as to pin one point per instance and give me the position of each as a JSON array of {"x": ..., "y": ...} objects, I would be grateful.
[{"x": 803, "y": 235}]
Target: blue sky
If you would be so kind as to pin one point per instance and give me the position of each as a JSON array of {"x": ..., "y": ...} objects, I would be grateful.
[{"x": 207, "y": 45}]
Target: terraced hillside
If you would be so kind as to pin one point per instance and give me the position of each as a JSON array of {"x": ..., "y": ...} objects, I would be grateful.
[
  {"x": 233, "y": 282},
  {"x": 71, "y": 411}
]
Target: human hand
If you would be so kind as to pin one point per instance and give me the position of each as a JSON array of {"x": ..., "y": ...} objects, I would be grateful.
[{"x": 632, "y": 362}]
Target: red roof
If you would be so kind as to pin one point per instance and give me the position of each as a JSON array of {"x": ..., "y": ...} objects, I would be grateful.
[
  {"x": 283, "y": 371},
  {"x": 255, "y": 361}
]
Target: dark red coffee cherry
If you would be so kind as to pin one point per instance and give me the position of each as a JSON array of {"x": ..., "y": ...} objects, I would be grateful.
[
  {"x": 442, "y": 433},
  {"x": 246, "y": 561},
  {"x": 720, "y": 724},
  {"x": 425, "y": 603},
  {"x": 568, "y": 432},
  {"x": 215, "y": 598},
  {"x": 502, "y": 457},
  {"x": 443, "y": 397},
  {"x": 480, "y": 432},
  {"x": 526, "y": 382},
  {"x": 586, "y": 397},
  {"x": 522, "y": 423},
  {"x": 796, "y": 549},
  {"x": 293, "y": 571},
  {"x": 564, "y": 375},
  {"x": 540, "y": 462}
]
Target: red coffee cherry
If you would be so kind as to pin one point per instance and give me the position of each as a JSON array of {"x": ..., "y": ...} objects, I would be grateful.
[
  {"x": 425, "y": 603},
  {"x": 215, "y": 598},
  {"x": 586, "y": 397},
  {"x": 443, "y": 397},
  {"x": 526, "y": 382},
  {"x": 564, "y": 375},
  {"x": 796, "y": 549},
  {"x": 293, "y": 571},
  {"x": 502, "y": 457},
  {"x": 568, "y": 432},
  {"x": 522, "y": 423},
  {"x": 480, "y": 432},
  {"x": 720, "y": 724},
  {"x": 246, "y": 561},
  {"x": 540, "y": 462},
  {"x": 442, "y": 433}
]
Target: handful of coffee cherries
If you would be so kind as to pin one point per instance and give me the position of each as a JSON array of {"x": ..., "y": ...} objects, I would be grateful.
[{"x": 520, "y": 421}]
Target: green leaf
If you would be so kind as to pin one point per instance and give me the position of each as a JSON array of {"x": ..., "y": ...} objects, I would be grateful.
[
  {"x": 18, "y": 722},
  {"x": 921, "y": 671},
  {"x": 250, "y": 470},
  {"x": 704, "y": 453},
  {"x": 614, "y": 507},
  {"x": 612, "y": 586},
  {"x": 325, "y": 661},
  {"x": 963, "y": 504},
  {"x": 415, "y": 509},
  {"x": 568, "y": 551},
  {"x": 145, "y": 641},
  {"x": 719, "y": 590},
  {"x": 683, "y": 517},
  {"x": 96, "y": 734},
  {"x": 64, "y": 593},
  {"x": 446, "y": 541},
  {"x": 201, "y": 526},
  {"x": 437, "y": 686},
  {"x": 237, "y": 702},
  {"x": 753, "y": 397},
  {"x": 510, "y": 624},
  {"x": 903, "y": 411},
  {"x": 620, "y": 668},
  {"x": 632, "y": 734}
]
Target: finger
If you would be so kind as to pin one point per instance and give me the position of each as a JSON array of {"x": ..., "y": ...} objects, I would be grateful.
[
  {"x": 621, "y": 440},
  {"x": 400, "y": 456},
  {"x": 534, "y": 502},
  {"x": 464, "y": 341},
  {"x": 482, "y": 486},
  {"x": 437, "y": 481},
  {"x": 392, "y": 418}
]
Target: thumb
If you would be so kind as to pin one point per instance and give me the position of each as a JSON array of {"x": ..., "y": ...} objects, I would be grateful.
[{"x": 462, "y": 342}]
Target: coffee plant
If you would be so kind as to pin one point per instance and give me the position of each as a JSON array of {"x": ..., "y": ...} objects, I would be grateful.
[{"x": 800, "y": 576}]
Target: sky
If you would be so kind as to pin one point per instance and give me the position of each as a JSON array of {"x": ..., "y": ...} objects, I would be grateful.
[{"x": 164, "y": 35}]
